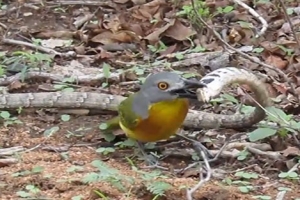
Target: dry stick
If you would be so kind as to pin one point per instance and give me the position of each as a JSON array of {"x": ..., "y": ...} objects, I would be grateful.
[
  {"x": 80, "y": 2},
  {"x": 280, "y": 195},
  {"x": 216, "y": 34},
  {"x": 289, "y": 21},
  {"x": 43, "y": 49},
  {"x": 255, "y": 14},
  {"x": 190, "y": 192}
]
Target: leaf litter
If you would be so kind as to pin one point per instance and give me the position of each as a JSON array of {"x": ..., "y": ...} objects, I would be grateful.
[{"x": 141, "y": 32}]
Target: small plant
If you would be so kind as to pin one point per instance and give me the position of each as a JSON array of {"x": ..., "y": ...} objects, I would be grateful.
[
  {"x": 8, "y": 119},
  {"x": 65, "y": 85},
  {"x": 225, "y": 10},
  {"x": 152, "y": 183},
  {"x": 30, "y": 191},
  {"x": 65, "y": 118},
  {"x": 161, "y": 47},
  {"x": 34, "y": 170},
  {"x": 289, "y": 175},
  {"x": 246, "y": 175},
  {"x": 243, "y": 155},
  {"x": 105, "y": 150},
  {"x": 188, "y": 11},
  {"x": 107, "y": 174}
]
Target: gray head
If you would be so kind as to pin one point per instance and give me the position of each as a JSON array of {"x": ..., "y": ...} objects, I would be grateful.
[{"x": 163, "y": 86}]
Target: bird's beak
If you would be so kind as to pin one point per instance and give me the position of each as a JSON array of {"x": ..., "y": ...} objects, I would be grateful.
[{"x": 186, "y": 88}]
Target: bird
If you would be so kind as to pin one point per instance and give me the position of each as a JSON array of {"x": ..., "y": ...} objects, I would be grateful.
[{"x": 157, "y": 110}]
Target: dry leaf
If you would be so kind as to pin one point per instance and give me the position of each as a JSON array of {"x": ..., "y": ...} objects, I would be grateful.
[
  {"x": 276, "y": 61},
  {"x": 291, "y": 151},
  {"x": 178, "y": 31}
]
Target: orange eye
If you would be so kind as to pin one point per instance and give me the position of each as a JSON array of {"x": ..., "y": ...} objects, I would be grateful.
[{"x": 163, "y": 85}]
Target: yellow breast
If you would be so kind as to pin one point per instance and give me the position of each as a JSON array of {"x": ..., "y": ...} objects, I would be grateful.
[{"x": 164, "y": 120}]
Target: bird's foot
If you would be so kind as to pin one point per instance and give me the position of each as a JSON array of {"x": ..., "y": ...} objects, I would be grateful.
[{"x": 152, "y": 161}]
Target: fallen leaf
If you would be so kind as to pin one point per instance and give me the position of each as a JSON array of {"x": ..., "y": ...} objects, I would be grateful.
[
  {"x": 280, "y": 87},
  {"x": 291, "y": 151},
  {"x": 155, "y": 35},
  {"x": 169, "y": 50},
  {"x": 178, "y": 31},
  {"x": 286, "y": 28},
  {"x": 276, "y": 61},
  {"x": 16, "y": 85}
]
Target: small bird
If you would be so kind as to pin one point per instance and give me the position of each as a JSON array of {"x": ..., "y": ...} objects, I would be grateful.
[{"x": 157, "y": 110}]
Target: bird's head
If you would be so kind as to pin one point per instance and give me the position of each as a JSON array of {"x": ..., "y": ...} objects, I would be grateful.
[{"x": 163, "y": 86}]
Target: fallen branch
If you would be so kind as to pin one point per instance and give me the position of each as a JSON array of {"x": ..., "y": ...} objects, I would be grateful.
[
  {"x": 40, "y": 48},
  {"x": 11, "y": 151},
  {"x": 8, "y": 161}
]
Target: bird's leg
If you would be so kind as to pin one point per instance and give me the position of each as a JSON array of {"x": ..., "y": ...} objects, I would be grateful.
[{"x": 151, "y": 160}]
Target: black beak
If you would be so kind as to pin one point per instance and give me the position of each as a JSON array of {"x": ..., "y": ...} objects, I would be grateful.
[{"x": 188, "y": 89}]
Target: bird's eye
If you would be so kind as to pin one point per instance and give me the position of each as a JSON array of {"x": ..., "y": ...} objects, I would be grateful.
[{"x": 163, "y": 85}]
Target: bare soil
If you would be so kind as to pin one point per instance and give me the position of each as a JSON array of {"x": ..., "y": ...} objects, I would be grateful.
[{"x": 55, "y": 182}]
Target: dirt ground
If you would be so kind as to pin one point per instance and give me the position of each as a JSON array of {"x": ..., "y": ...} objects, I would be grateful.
[
  {"x": 55, "y": 182},
  {"x": 74, "y": 144}
]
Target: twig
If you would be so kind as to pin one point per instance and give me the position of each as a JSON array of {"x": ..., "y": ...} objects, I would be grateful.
[
  {"x": 294, "y": 168},
  {"x": 280, "y": 195},
  {"x": 283, "y": 7},
  {"x": 255, "y": 14},
  {"x": 242, "y": 169},
  {"x": 270, "y": 154},
  {"x": 40, "y": 48},
  {"x": 190, "y": 192},
  {"x": 216, "y": 34},
  {"x": 11, "y": 150},
  {"x": 86, "y": 2}
]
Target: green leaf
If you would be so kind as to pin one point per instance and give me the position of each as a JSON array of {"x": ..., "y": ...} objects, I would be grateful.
[
  {"x": 227, "y": 9},
  {"x": 51, "y": 131},
  {"x": 179, "y": 56},
  {"x": 37, "y": 169},
  {"x": 290, "y": 11},
  {"x": 68, "y": 89},
  {"x": 230, "y": 98},
  {"x": 65, "y": 118},
  {"x": 23, "y": 194},
  {"x": 293, "y": 175},
  {"x": 77, "y": 197},
  {"x": 139, "y": 71},
  {"x": 59, "y": 86},
  {"x": 247, "y": 109},
  {"x": 244, "y": 189},
  {"x": 261, "y": 133},
  {"x": 258, "y": 50},
  {"x": 103, "y": 126},
  {"x": 106, "y": 70},
  {"x": 109, "y": 137},
  {"x": 245, "y": 24},
  {"x": 283, "y": 175},
  {"x": 277, "y": 115},
  {"x": 5, "y": 114}
]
